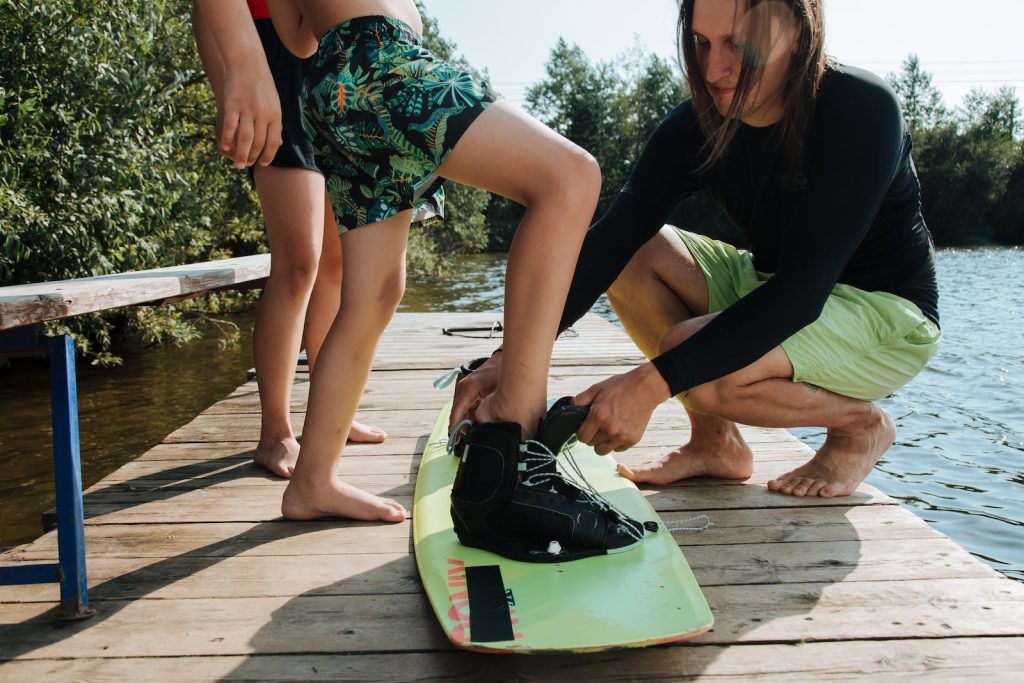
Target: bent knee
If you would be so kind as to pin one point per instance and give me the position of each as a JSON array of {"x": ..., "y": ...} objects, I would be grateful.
[
  {"x": 643, "y": 267},
  {"x": 572, "y": 180}
]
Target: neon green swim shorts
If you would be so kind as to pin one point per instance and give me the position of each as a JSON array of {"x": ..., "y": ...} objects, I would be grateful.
[{"x": 864, "y": 345}]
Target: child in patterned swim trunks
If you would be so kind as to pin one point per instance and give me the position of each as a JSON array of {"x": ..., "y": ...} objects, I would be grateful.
[{"x": 390, "y": 122}]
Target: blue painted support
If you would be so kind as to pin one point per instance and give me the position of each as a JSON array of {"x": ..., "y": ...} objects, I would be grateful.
[
  {"x": 74, "y": 598},
  {"x": 70, "y": 568},
  {"x": 29, "y": 573}
]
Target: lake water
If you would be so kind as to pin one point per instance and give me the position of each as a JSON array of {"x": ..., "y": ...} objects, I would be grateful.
[{"x": 958, "y": 461}]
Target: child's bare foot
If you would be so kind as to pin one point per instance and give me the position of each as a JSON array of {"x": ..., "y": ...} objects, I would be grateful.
[
  {"x": 723, "y": 454},
  {"x": 361, "y": 433},
  {"x": 277, "y": 457},
  {"x": 843, "y": 462},
  {"x": 335, "y": 498}
]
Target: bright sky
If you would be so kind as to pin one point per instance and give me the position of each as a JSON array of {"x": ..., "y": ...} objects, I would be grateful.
[{"x": 962, "y": 44}]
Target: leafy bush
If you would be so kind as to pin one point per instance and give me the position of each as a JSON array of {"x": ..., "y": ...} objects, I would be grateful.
[{"x": 106, "y": 156}]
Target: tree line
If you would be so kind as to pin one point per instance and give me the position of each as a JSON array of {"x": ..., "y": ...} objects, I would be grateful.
[{"x": 107, "y": 161}]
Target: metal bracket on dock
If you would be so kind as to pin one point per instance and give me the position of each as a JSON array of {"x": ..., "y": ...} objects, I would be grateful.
[{"x": 69, "y": 571}]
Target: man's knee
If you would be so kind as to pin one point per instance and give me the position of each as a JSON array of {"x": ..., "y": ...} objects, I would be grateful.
[
  {"x": 649, "y": 266},
  {"x": 637, "y": 277}
]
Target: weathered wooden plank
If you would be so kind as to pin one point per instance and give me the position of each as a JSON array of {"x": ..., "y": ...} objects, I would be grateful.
[
  {"x": 730, "y": 527},
  {"x": 992, "y": 660},
  {"x": 783, "y": 525},
  {"x": 230, "y": 539},
  {"x": 852, "y": 610},
  {"x": 216, "y": 503},
  {"x": 654, "y": 444},
  {"x": 403, "y": 622},
  {"x": 417, "y": 342},
  {"x": 372, "y": 572},
  {"x": 411, "y": 422},
  {"x": 153, "y": 474},
  {"x": 33, "y": 303}
]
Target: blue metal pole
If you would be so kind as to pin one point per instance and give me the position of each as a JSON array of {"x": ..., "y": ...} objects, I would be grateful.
[{"x": 74, "y": 599}]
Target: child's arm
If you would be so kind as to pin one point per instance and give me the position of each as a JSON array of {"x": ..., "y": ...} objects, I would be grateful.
[{"x": 292, "y": 28}]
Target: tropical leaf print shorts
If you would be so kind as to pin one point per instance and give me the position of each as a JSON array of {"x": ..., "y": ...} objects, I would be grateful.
[{"x": 383, "y": 114}]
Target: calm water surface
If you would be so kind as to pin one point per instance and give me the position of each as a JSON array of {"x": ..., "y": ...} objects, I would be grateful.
[{"x": 958, "y": 461}]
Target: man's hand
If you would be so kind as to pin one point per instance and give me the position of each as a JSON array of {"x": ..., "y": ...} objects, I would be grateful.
[
  {"x": 473, "y": 389},
  {"x": 620, "y": 408}
]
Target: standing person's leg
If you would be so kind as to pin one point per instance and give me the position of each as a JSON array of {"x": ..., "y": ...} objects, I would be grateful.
[
  {"x": 323, "y": 308},
  {"x": 509, "y": 153},
  {"x": 662, "y": 286},
  {"x": 293, "y": 209},
  {"x": 508, "y": 495},
  {"x": 374, "y": 267}
]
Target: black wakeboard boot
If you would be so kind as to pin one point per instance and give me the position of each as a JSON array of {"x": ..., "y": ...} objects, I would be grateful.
[{"x": 507, "y": 499}]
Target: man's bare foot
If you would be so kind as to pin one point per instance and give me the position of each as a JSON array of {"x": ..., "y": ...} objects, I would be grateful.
[
  {"x": 724, "y": 455},
  {"x": 361, "y": 433},
  {"x": 278, "y": 457},
  {"x": 335, "y": 498},
  {"x": 844, "y": 460}
]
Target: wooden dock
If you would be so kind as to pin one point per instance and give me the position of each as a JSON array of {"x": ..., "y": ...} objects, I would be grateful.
[{"x": 195, "y": 576}]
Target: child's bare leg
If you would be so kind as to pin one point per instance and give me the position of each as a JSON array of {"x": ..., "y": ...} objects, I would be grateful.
[
  {"x": 374, "y": 282},
  {"x": 292, "y": 201},
  {"x": 322, "y": 309},
  {"x": 507, "y": 152}
]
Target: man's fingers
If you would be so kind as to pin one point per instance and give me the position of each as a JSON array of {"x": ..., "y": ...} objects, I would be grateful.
[
  {"x": 588, "y": 430},
  {"x": 585, "y": 397}
]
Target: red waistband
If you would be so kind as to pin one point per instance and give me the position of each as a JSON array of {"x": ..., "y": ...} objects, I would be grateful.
[{"x": 258, "y": 9}]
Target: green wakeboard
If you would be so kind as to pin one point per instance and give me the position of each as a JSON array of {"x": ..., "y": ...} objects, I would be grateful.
[{"x": 488, "y": 603}]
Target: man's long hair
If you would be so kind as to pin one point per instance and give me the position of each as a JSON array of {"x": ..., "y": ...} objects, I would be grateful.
[{"x": 806, "y": 70}]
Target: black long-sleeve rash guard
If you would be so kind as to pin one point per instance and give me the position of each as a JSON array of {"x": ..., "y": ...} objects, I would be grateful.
[{"x": 852, "y": 216}]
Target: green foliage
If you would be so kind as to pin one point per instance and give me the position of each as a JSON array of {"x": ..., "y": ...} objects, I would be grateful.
[
  {"x": 970, "y": 161},
  {"x": 923, "y": 107},
  {"x": 609, "y": 109},
  {"x": 106, "y": 155},
  {"x": 107, "y": 162}
]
